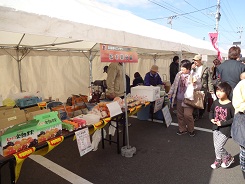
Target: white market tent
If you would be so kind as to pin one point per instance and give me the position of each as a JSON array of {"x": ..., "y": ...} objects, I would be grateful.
[{"x": 56, "y": 44}]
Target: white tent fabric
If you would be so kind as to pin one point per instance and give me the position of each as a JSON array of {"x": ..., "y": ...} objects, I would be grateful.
[
  {"x": 93, "y": 22},
  {"x": 70, "y": 27}
]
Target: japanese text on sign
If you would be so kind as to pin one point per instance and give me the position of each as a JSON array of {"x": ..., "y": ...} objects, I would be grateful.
[{"x": 110, "y": 53}]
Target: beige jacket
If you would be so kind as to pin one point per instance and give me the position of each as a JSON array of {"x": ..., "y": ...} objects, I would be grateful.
[
  {"x": 238, "y": 99},
  {"x": 114, "y": 79}
]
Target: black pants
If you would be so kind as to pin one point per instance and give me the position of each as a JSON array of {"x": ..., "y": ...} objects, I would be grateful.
[{"x": 202, "y": 111}]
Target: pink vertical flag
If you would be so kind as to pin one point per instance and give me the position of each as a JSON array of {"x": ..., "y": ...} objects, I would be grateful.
[{"x": 214, "y": 38}]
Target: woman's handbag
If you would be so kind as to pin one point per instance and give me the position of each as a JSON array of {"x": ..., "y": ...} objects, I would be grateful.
[
  {"x": 238, "y": 129},
  {"x": 198, "y": 100}
]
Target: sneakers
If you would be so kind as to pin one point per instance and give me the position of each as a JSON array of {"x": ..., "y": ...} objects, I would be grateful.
[
  {"x": 181, "y": 133},
  {"x": 228, "y": 160},
  {"x": 192, "y": 134},
  {"x": 217, "y": 163}
]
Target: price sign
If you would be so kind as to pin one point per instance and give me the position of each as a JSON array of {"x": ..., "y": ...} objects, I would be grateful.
[{"x": 83, "y": 141}]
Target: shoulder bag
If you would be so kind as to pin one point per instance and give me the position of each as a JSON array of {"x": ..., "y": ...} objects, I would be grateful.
[
  {"x": 198, "y": 100},
  {"x": 238, "y": 129}
]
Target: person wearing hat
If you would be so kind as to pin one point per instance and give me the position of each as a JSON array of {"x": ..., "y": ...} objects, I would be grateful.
[
  {"x": 152, "y": 78},
  {"x": 203, "y": 72}
]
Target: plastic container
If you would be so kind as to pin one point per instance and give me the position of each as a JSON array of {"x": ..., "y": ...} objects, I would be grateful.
[{"x": 25, "y": 102}]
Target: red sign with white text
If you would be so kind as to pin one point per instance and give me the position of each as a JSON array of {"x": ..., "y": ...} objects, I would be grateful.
[{"x": 112, "y": 53}]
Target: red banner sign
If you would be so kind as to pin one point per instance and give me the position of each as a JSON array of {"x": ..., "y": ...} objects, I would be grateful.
[{"x": 111, "y": 53}]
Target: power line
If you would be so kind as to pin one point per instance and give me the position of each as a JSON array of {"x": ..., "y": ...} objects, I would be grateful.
[
  {"x": 170, "y": 18},
  {"x": 227, "y": 19},
  {"x": 175, "y": 10},
  {"x": 197, "y": 9},
  {"x": 161, "y": 6},
  {"x": 231, "y": 13},
  {"x": 184, "y": 13}
]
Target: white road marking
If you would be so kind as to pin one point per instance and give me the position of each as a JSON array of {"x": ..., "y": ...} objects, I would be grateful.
[
  {"x": 176, "y": 124},
  {"x": 57, "y": 169}
]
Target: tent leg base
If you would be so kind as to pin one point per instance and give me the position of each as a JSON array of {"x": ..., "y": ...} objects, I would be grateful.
[{"x": 128, "y": 151}]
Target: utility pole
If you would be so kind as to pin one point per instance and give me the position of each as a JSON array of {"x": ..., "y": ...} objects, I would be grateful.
[
  {"x": 217, "y": 16},
  {"x": 240, "y": 30}
]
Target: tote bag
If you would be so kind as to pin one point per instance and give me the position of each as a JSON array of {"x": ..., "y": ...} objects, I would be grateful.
[
  {"x": 198, "y": 100},
  {"x": 238, "y": 129}
]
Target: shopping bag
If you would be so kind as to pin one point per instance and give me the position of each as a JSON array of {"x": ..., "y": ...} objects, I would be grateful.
[
  {"x": 198, "y": 100},
  {"x": 238, "y": 129},
  {"x": 189, "y": 92}
]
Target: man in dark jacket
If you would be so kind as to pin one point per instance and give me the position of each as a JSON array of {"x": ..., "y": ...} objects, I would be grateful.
[
  {"x": 229, "y": 71},
  {"x": 174, "y": 69}
]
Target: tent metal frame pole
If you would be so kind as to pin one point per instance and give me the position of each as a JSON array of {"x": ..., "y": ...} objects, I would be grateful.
[
  {"x": 90, "y": 68},
  {"x": 19, "y": 61},
  {"x": 90, "y": 76},
  {"x": 19, "y": 68},
  {"x": 54, "y": 44},
  {"x": 126, "y": 104}
]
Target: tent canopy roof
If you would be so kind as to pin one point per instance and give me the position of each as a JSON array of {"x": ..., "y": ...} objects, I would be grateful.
[{"x": 81, "y": 24}]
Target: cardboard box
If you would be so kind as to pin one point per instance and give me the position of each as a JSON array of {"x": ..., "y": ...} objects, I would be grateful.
[
  {"x": 1, "y": 100},
  {"x": 5, "y": 107},
  {"x": 30, "y": 115},
  {"x": 151, "y": 93},
  {"x": 48, "y": 127},
  {"x": 11, "y": 117},
  {"x": 18, "y": 138},
  {"x": 7, "y": 112},
  {"x": 31, "y": 109}
]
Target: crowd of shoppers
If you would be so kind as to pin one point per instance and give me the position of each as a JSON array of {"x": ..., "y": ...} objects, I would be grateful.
[{"x": 223, "y": 80}]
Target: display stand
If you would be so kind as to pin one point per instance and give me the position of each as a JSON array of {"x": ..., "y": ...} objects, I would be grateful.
[{"x": 118, "y": 119}]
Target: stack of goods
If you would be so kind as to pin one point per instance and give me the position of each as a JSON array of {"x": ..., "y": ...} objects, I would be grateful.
[
  {"x": 28, "y": 101},
  {"x": 67, "y": 111},
  {"x": 78, "y": 100},
  {"x": 101, "y": 110},
  {"x": 18, "y": 138},
  {"x": 11, "y": 117},
  {"x": 135, "y": 100},
  {"x": 28, "y": 134},
  {"x": 74, "y": 124}
]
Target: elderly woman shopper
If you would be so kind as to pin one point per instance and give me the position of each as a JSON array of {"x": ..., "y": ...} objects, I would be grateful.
[{"x": 184, "y": 79}]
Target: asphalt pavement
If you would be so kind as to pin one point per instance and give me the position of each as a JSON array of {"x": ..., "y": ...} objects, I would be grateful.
[{"x": 162, "y": 157}]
